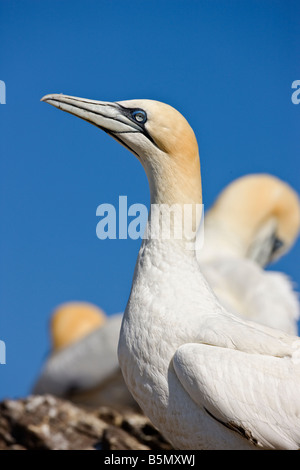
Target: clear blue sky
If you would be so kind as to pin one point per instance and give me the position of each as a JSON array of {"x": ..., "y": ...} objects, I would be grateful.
[{"x": 226, "y": 65}]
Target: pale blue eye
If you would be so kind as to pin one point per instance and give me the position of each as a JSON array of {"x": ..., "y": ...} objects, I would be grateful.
[{"x": 139, "y": 116}]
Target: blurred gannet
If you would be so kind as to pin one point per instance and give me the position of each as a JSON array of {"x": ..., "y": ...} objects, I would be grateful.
[
  {"x": 83, "y": 365},
  {"x": 254, "y": 221},
  {"x": 206, "y": 378},
  {"x": 256, "y": 216}
]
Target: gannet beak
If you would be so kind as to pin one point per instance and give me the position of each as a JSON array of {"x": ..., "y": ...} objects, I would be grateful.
[{"x": 109, "y": 117}]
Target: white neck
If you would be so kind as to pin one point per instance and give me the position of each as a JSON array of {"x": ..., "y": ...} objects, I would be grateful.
[{"x": 176, "y": 201}]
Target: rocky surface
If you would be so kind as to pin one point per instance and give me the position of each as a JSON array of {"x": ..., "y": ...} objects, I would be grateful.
[{"x": 48, "y": 423}]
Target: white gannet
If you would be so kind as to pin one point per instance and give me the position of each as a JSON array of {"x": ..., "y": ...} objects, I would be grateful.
[
  {"x": 254, "y": 221},
  {"x": 206, "y": 378},
  {"x": 83, "y": 364}
]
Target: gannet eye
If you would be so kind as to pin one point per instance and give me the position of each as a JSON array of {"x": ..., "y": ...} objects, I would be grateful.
[{"x": 139, "y": 116}]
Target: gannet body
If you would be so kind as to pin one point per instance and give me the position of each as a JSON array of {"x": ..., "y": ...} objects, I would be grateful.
[
  {"x": 244, "y": 288},
  {"x": 152, "y": 352},
  {"x": 206, "y": 378},
  {"x": 254, "y": 221},
  {"x": 239, "y": 282}
]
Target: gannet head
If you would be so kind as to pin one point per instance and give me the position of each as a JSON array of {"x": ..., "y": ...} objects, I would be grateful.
[
  {"x": 261, "y": 211},
  {"x": 72, "y": 321},
  {"x": 157, "y": 134}
]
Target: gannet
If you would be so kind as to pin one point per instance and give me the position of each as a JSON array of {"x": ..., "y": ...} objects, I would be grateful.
[
  {"x": 83, "y": 365},
  {"x": 254, "y": 221},
  {"x": 206, "y": 378}
]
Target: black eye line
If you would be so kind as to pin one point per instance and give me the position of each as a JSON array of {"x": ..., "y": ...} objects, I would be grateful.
[{"x": 128, "y": 113}]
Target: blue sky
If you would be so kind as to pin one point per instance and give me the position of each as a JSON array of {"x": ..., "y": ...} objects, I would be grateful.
[{"x": 226, "y": 65}]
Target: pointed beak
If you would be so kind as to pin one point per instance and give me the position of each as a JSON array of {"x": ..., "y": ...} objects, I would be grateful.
[{"x": 110, "y": 117}]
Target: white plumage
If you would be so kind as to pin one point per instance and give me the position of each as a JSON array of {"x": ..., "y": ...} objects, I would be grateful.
[
  {"x": 249, "y": 291},
  {"x": 156, "y": 350},
  {"x": 195, "y": 369},
  {"x": 253, "y": 222},
  {"x": 239, "y": 282}
]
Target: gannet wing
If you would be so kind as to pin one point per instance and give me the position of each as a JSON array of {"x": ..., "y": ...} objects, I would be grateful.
[
  {"x": 82, "y": 365},
  {"x": 245, "y": 289},
  {"x": 254, "y": 395}
]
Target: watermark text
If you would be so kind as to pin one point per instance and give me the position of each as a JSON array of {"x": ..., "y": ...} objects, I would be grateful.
[
  {"x": 2, "y": 92},
  {"x": 176, "y": 221},
  {"x": 296, "y": 95},
  {"x": 2, "y": 352}
]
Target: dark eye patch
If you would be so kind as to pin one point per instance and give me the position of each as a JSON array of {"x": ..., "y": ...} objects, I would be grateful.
[
  {"x": 132, "y": 113},
  {"x": 277, "y": 244}
]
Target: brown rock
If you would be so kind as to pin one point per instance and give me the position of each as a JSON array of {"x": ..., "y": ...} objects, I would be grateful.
[{"x": 49, "y": 423}]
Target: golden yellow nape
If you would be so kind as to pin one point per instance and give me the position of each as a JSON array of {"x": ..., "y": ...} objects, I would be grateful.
[
  {"x": 252, "y": 200},
  {"x": 72, "y": 321}
]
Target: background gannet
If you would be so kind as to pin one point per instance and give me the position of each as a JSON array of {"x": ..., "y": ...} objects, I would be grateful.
[
  {"x": 83, "y": 364},
  {"x": 206, "y": 378},
  {"x": 256, "y": 216},
  {"x": 253, "y": 222}
]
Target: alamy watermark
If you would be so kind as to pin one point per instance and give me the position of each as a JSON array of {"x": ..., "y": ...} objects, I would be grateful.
[
  {"x": 176, "y": 221},
  {"x": 2, "y": 92},
  {"x": 2, "y": 352},
  {"x": 2, "y": 343},
  {"x": 296, "y": 95}
]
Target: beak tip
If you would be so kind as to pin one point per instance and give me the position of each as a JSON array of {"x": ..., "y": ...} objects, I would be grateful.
[
  {"x": 45, "y": 98},
  {"x": 50, "y": 96}
]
